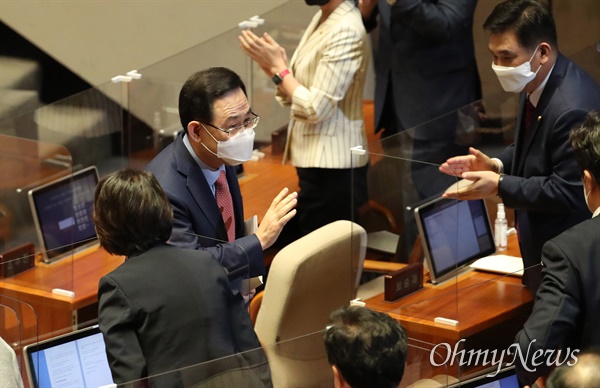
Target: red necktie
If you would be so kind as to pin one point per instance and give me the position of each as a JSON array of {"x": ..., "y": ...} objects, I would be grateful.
[
  {"x": 223, "y": 197},
  {"x": 529, "y": 110}
]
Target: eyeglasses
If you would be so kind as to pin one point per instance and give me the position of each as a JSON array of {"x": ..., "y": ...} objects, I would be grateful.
[{"x": 249, "y": 123}]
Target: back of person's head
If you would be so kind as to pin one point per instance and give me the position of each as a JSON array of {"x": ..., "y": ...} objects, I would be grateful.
[
  {"x": 585, "y": 140},
  {"x": 201, "y": 89},
  {"x": 529, "y": 20},
  {"x": 131, "y": 212},
  {"x": 585, "y": 373},
  {"x": 368, "y": 348}
]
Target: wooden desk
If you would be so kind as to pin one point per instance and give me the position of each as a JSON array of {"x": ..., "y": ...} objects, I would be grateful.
[
  {"x": 262, "y": 182},
  {"x": 490, "y": 310},
  {"x": 25, "y": 163},
  {"x": 79, "y": 274}
]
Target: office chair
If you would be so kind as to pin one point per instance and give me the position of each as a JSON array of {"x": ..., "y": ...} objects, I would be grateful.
[{"x": 308, "y": 279}]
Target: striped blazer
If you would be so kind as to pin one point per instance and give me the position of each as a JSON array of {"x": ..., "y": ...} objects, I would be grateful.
[{"x": 326, "y": 117}]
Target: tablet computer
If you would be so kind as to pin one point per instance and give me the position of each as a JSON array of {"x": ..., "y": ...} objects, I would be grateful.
[
  {"x": 62, "y": 214},
  {"x": 454, "y": 234},
  {"x": 76, "y": 359}
]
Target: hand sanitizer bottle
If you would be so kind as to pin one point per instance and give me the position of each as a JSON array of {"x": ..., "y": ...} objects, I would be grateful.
[{"x": 501, "y": 227}]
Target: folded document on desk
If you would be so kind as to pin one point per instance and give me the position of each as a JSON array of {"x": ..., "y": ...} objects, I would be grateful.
[
  {"x": 504, "y": 264},
  {"x": 383, "y": 241}
]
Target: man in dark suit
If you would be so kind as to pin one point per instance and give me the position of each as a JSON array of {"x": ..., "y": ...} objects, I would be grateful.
[
  {"x": 566, "y": 313},
  {"x": 425, "y": 61},
  {"x": 537, "y": 175},
  {"x": 165, "y": 307},
  {"x": 218, "y": 134},
  {"x": 425, "y": 68}
]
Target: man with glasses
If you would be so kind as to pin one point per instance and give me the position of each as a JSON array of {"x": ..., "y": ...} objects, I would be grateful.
[{"x": 197, "y": 172}]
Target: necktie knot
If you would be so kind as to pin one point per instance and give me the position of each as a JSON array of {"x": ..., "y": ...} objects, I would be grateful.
[{"x": 225, "y": 204}]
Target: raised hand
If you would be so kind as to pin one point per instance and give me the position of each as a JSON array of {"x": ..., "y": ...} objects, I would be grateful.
[
  {"x": 282, "y": 210},
  {"x": 475, "y": 161}
]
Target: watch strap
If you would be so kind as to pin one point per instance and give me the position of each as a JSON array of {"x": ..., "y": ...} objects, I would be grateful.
[{"x": 278, "y": 77}]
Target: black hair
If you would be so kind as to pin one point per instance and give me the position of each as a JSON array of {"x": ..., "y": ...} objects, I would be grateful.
[
  {"x": 131, "y": 212},
  {"x": 201, "y": 89},
  {"x": 531, "y": 21},
  {"x": 367, "y": 347},
  {"x": 585, "y": 140}
]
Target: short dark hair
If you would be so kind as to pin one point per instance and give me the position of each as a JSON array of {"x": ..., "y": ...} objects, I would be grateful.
[
  {"x": 585, "y": 140},
  {"x": 531, "y": 21},
  {"x": 367, "y": 347},
  {"x": 131, "y": 212},
  {"x": 201, "y": 89},
  {"x": 585, "y": 373}
]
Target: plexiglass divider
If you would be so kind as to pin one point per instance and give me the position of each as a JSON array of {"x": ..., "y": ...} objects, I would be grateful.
[
  {"x": 18, "y": 328},
  {"x": 287, "y": 363},
  {"x": 48, "y": 226},
  {"x": 115, "y": 125},
  {"x": 464, "y": 311}
]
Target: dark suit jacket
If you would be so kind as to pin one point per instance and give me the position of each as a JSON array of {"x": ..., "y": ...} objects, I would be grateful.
[
  {"x": 197, "y": 214},
  {"x": 426, "y": 53},
  {"x": 544, "y": 181},
  {"x": 168, "y": 308},
  {"x": 566, "y": 313}
]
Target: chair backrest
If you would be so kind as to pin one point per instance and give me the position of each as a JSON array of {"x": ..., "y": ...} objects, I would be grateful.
[{"x": 308, "y": 279}]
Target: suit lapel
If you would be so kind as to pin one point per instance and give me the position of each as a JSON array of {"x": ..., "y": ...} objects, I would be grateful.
[
  {"x": 302, "y": 46},
  {"x": 518, "y": 156},
  {"x": 526, "y": 139},
  {"x": 199, "y": 190},
  {"x": 313, "y": 37}
]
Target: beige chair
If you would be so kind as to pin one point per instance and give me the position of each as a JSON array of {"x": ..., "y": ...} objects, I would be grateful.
[{"x": 308, "y": 279}]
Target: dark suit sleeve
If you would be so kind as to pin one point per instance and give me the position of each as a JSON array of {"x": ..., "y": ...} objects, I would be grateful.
[
  {"x": 440, "y": 21},
  {"x": 116, "y": 321},
  {"x": 554, "y": 316},
  {"x": 507, "y": 158},
  {"x": 245, "y": 251},
  {"x": 560, "y": 190}
]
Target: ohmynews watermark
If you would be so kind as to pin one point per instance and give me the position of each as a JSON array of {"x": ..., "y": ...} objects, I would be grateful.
[{"x": 492, "y": 357}]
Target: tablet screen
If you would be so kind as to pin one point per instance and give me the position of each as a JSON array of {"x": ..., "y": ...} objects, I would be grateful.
[{"x": 454, "y": 234}]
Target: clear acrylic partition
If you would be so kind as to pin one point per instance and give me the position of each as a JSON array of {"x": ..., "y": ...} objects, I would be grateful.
[
  {"x": 300, "y": 361},
  {"x": 40, "y": 147},
  {"x": 25, "y": 165},
  {"x": 18, "y": 328},
  {"x": 115, "y": 125},
  {"x": 153, "y": 98},
  {"x": 49, "y": 315},
  {"x": 403, "y": 174}
]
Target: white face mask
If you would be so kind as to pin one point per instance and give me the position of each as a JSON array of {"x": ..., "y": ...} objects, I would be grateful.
[
  {"x": 514, "y": 79},
  {"x": 586, "y": 195},
  {"x": 236, "y": 150}
]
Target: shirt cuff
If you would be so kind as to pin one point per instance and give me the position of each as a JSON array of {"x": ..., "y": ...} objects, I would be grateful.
[{"x": 500, "y": 165}]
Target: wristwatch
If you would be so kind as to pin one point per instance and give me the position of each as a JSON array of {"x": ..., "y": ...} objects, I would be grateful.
[
  {"x": 278, "y": 77},
  {"x": 500, "y": 178}
]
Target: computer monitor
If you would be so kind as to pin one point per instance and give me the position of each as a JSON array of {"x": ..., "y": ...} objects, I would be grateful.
[
  {"x": 454, "y": 233},
  {"x": 62, "y": 214}
]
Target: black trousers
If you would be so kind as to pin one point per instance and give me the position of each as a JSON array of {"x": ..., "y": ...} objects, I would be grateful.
[{"x": 326, "y": 195}]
